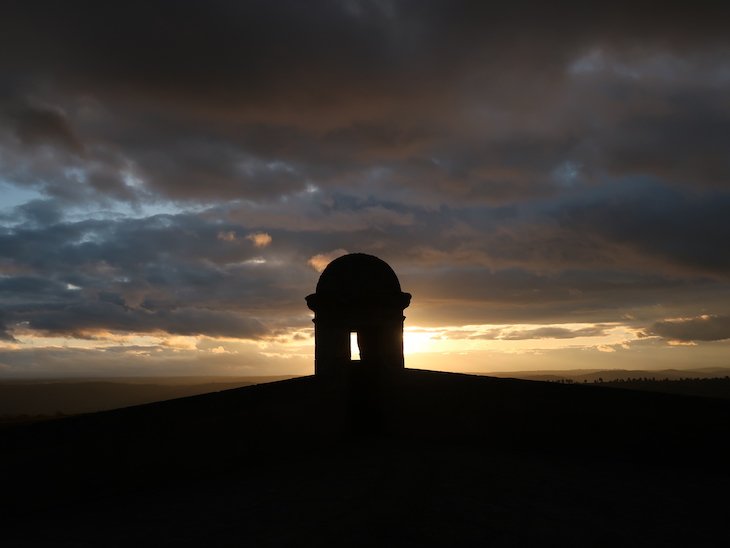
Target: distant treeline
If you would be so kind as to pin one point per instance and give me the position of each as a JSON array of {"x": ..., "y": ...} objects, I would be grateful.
[{"x": 712, "y": 387}]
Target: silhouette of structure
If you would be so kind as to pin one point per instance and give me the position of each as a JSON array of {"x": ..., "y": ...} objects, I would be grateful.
[{"x": 358, "y": 293}]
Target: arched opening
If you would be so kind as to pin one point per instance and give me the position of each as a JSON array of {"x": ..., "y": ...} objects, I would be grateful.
[{"x": 354, "y": 347}]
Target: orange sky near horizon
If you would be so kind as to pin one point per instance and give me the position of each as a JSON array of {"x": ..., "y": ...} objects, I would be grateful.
[{"x": 467, "y": 349}]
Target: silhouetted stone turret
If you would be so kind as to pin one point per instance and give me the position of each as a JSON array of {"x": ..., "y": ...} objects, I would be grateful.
[{"x": 361, "y": 294}]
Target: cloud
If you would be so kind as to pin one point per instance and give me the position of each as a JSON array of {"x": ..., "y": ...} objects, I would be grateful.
[
  {"x": 227, "y": 235},
  {"x": 700, "y": 328},
  {"x": 85, "y": 319},
  {"x": 320, "y": 261},
  {"x": 653, "y": 222},
  {"x": 475, "y": 265},
  {"x": 259, "y": 239},
  {"x": 524, "y": 163},
  {"x": 553, "y": 332},
  {"x": 260, "y": 121},
  {"x": 166, "y": 273},
  {"x": 5, "y": 334},
  {"x": 143, "y": 361},
  {"x": 520, "y": 334},
  {"x": 36, "y": 124}
]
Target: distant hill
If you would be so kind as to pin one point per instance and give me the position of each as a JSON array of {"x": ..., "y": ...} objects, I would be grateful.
[
  {"x": 710, "y": 383},
  {"x": 49, "y": 397},
  {"x": 423, "y": 459},
  {"x": 707, "y": 388},
  {"x": 26, "y": 399},
  {"x": 589, "y": 375}
]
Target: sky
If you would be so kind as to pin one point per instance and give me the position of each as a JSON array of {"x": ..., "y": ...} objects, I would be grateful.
[{"x": 550, "y": 181}]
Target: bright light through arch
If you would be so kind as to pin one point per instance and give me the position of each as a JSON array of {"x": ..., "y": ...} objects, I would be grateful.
[{"x": 354, "y": 348}]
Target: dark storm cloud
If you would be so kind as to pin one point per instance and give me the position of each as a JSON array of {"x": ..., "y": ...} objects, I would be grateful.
[
  {"x": 176, "y": 274},
  {"x": 691, "y": 129},
  {"x": 461, "y": 296},
  {"x": 5, "y": 334},
  {"x": 84, "y": 319},
  {"x": 35, "y": 125},
  {"x": 701, "y": 328},
  {"x": 458, "y": 100},
  {"x": 651, "y": 229},
  {"x": 248, "y": 43},
  {"x": 168, "y": 272},
  {"x": 40, "y": 147},
  {"x": 39, "y": 212},
  {"x": 679, "y": 227}
]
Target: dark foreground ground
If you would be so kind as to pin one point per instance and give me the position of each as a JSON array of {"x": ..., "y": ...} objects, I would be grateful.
[{"x": 426, "y": 459}]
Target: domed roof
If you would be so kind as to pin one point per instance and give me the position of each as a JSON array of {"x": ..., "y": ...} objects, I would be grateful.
[{"x": 358, "y": 274}]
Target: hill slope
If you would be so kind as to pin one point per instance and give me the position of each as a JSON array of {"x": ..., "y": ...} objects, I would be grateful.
[{"x": 424, "y": 459}]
